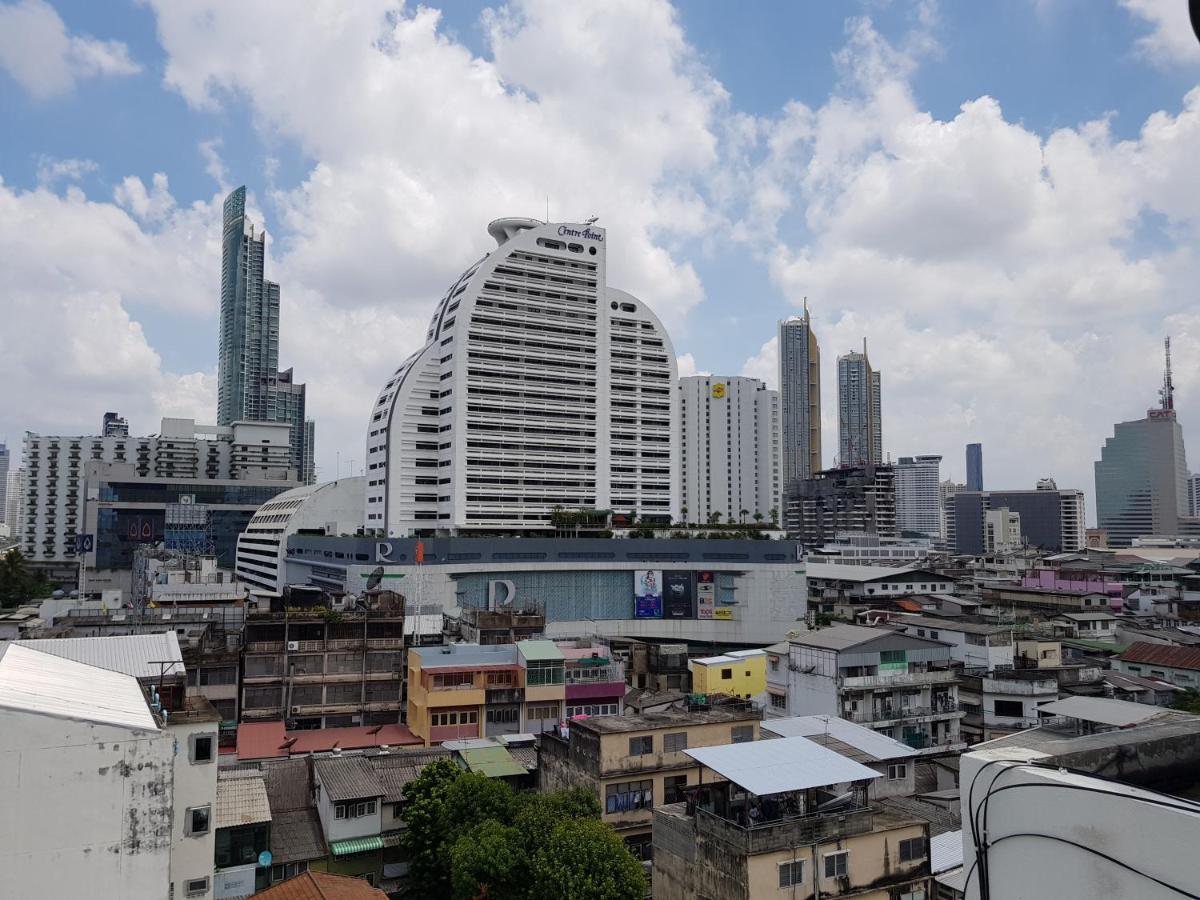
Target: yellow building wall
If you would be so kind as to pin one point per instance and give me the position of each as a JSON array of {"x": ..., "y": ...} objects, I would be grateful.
[
  {"x": 544, "y": 692},
  {"x": 871, "y": 857},
  {"x": 748, "y": 677}
]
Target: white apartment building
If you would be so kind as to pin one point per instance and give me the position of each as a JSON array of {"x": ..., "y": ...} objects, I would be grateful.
[
  {"x": 14, "y": 499},
  {"x": 539, "y": 387},
  {"x": 946, "y": 490},
  {"x": 1001, "y": 531},
  {"x": 334, "y": 508},
  {"x": 729, "y": 448},
  {"x": 183, "y": 452},
  {"x": 918, "y": 493},
  {"x": 104, "y": 796}
]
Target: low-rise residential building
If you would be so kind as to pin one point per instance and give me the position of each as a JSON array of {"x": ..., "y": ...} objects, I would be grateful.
[
  {"x": 349, "y": 797},
  {"x": 739, "y": 673},
  {"x": 858, "y": 548},
  {"x": 316, "y": 666},
  {"x": 1178, "y": 665},
  {"x": 137, "y": 781},
  {"x": 895, "y": 762},
  {"x": 1047, "y": 600},
  {"x": 1036, "y": 653},
  {"x": 1091, "y": 626},
  {"x": 832, "y": 584},
  {"x": 974, "y": 644},
  {"x": 322, "y": 886},
  {"x": 464, "y": 691},
  {"x": 1136, "y": 689},
  {"x": 785, "y": 817},
  {"x": 243, "y": 833},
  {"x": 894, "y": 683},
  {"x": 1001, "y": 701},
  {"x": 637, "y": 762}
]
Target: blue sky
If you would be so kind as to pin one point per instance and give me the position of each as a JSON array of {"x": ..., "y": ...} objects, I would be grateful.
[{"x": 1014, "y": 261}]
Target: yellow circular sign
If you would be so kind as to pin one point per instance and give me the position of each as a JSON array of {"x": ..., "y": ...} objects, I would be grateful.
[{"x": 718, "y": 391}]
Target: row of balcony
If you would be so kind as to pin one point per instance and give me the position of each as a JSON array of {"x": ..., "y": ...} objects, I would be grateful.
[
  {"x": 883, "y": 715},
  {"x": 324, "y": 646},
  {"x": 899, "y": 679},
  {"x": 785, "y": 833}
]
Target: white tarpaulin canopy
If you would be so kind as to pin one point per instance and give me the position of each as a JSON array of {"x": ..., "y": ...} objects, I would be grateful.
[{"x": 775, "y": 766}]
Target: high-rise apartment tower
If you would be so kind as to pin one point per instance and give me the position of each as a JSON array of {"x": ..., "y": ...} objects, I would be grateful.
[
  {"x": 250, "y": 386},
  {"x": 799, "y": 399},
  {"x": 860, "y": 429}
]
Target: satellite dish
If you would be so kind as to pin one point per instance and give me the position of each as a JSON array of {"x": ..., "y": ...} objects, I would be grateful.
[{"x": 375, "y": 578}]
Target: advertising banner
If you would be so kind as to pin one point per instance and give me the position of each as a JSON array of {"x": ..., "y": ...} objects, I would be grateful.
[
  {"x": 677, "y": 595},
  {"x": 647, "y": 594},
  {"x": 706, "y": 595},
  {"x": 724, "y": 612}
]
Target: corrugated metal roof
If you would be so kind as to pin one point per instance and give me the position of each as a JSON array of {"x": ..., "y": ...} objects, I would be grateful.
[
  {"x": 1163, "y": 655},
  {"x": 348, "y": 778},
  {"x": 539, "y": 650},
  {"x": 296, "y": 836},
  {"x": 1125, "y": 681},
  {"x": 945, "y": 851},
  {"x": 714, "y": 660},
  {"x": 465, "y": 655},
  {"x": 36, "y": 682},
  {"x": 242, "y": 800},
  {"x": 839, "y": 637},
  {"x": 131, "y": 654},
  {"x": 395, "y": 770},
  {"x": 494, "y": 762},
  {"x": 850, "y": 572},
  {"x": 787, "y": 764},
  {"x": 1120, "y": 713},
  {"x": 872, "y": 743}
]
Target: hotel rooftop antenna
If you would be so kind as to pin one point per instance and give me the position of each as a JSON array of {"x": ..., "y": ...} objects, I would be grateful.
[{"x": 1166, "y": 394}]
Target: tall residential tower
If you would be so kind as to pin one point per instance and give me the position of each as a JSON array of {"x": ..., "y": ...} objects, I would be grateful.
[
  {"x": 918, "y": 503},
  {"x": 860, "y": 430},
  {"x": 975, "y": 467},
  {"x": 729, "y": 448},
  {"x": 250, "y": 386},
  {"x": 539, "y": 387},
  {"x": 799, "y": 400}
]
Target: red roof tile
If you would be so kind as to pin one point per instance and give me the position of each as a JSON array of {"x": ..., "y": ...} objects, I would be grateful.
[
  {"x": 267, "y": 740},
  {"x": 1162, "y": 655},
  {"x": 322, "y": 886}
]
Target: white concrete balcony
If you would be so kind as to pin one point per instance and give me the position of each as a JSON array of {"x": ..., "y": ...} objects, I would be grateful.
[{"x": 900, "y": 679}]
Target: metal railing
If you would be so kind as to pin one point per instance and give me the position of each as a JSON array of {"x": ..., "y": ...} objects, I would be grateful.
[
  {"x": 937, "y": 676},
  {"x": 784, "y": 833}
]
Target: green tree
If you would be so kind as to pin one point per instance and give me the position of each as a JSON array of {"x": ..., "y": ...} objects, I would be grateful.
[
  {"x": 714, "y": 518},
  {"x": 1187, "y": 700},
  {"x": 758, "y": 517},
  {"x": 17, "y": 583},
  {"x": 423, "y": 840},
  {"x": 585, "y": 858},
  {"x": 489, "y": 860}
]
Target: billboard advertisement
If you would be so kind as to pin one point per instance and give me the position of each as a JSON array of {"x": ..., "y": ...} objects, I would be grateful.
[
  {"x": 647, "y": 594},
  {"x": 724, "y": 612},
  {"x": 706, "y": 595},
  {"x": 677, "y": 595}
]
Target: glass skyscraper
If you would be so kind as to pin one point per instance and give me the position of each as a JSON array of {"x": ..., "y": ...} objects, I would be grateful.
[
  {"x": 1141, "y": 479},
  {"x": 860, "y": 431},
  {"x": 799, "y": 399},
  {"x": 974, "y": 467},
  {"x": 250, "y": 386}
]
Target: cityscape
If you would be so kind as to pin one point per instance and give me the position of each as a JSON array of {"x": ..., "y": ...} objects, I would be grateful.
[{"x": 555, "y": 581}]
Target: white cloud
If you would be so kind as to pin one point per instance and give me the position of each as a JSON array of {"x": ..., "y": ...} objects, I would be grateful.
[
  {"x": 70, "y": 347},
  {"x": 1014, "y": 287},
  {"x": 41, "y": 56},
  {"x": 687, "y": 366},
  {"x": 1171, "y": 40},
  {"x": 764, "y": 365},
  {"x": 214, "y": 166},
  {"x": 416, "y": 143},
  {"x": 50, "y": 170}
]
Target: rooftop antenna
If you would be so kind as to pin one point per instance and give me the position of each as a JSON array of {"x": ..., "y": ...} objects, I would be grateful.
[
  {"x": 1166, "y": 394},
  {"x": 547, "y": 209}
]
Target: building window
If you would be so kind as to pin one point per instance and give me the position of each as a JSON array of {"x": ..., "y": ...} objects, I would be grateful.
[
  {"x": 791, "y": 873},
  {"x": 1011, "y": 708},
  {"x": 354, "y": 810},
  {"x": 726, "y": 674},
  {"x": 629, "y": 795},
  {"x": 912, "y": 849},
  {"x": 675, "y": 742},
  {"x": 198, "y": 819},
  {"x": 639, "y": 746},
  {"x": 835, "y": 864},
  {"x": 897, "y": 771},
  {"x": 542, "y": 712},
  {"x": 741, "y": 734},
  {"x": 195, "y": 887},
  {"x": 675, "y": 788},
  {"x": 778, "y": 701},
  {"x": 774, "y": 663},
  {"x": 458, "y": 717},
  {"x": 200, "y": 748}
]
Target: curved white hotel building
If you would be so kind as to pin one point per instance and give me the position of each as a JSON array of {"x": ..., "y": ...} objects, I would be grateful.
[{"x": 539, "y": 386}]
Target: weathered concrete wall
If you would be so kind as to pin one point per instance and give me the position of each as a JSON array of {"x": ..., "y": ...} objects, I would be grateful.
[{"x": 86, "y": 809}]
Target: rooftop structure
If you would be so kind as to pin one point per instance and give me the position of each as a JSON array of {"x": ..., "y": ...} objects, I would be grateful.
[{"x": 147, "y": 657}]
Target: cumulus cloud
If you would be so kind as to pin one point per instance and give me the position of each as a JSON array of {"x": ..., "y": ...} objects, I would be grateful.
[
  {"x": 1170, "y": 40},
  {"x": 1014, "y": 287},
  {"x": 50, "y": 170},
  {"x": 40, "y": 55},
  {"x": 73, "y": 271}
]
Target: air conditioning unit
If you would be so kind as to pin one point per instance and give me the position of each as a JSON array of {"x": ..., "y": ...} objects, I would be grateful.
[{"x": 293, "y": 645}]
